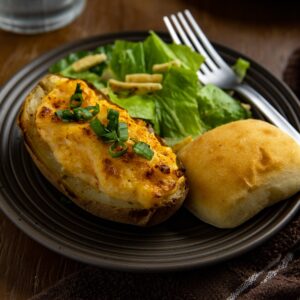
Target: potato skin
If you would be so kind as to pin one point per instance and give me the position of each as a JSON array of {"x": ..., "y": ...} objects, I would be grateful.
[{"x": 88, "y": 196}]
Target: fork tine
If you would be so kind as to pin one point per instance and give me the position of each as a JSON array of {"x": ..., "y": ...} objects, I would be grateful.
[
  {"x": 177, "y": 40},
  {"x": 181, "y": 32},
  {"x": 210, "y": 49},
  {"x": 186, "y": 40},
  {"x": 171, "y": 30},
  {"x": 211, "y": 64},
  {"x": 202, "y": 77}
]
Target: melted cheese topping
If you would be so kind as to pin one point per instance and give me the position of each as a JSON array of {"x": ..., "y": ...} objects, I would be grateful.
[{"x": 81, "y": 154}]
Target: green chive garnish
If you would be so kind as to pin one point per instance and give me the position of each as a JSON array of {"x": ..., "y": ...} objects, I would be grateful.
[
  {"x": 102, "y": 132},
  {"x": 98, "y": 127},
  {"x": 143, "y": 149},
  {"x": 118, "y": 137},
  {"x": 93, "y": 109},
  {"x": 117, "y": 149},
  {"x": 65, "y": 115},
  {"x": 82, "y": 114},
  {"x": 76, "y": 98},
  {"x": 123, "y": 132},
  {"x": 113, "y": 119},
  {"x": 110, "y": 136},
  {"x": 78, "y": 114}
]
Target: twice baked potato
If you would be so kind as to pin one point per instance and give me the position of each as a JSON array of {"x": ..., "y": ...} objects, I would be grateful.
[{"x": 129, "y": 188}]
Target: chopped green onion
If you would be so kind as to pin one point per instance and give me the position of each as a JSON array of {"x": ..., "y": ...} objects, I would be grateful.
[
  {"x": 93, "y": 109},
  {"x": 113, "y": 119},
  {"x": 65, "y": 115},
  {"x": 116, "y": 133},
  {"x": 59, "y": 113},
  {"x": 78, "y": 114},
  {"x": 82, "y": 114},
  {"x": 117, "y": 149},
  {"x": 85, "y": 113},
  {"x": 110, "y": 136},
  {"x": 123, "y": 132},
  {"x": 98, "y": 127},
  {"x": 76, "y": 98},
  {"x": 143, "y": 149},
  {"x": 78, "y": 89},
  {"x": 102, "y": 132}
]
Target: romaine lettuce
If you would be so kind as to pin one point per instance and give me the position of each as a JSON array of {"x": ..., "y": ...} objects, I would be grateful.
[
  {"x": 93, "y": 75},
  {"x": 173, "y": 111},
  {"x": 88, "y": 76},
  {"x": 177, "y": 104},
  {"x": 138, "y": 106},
  {"x": 187, "y": 56},
  {"x": 157, "y": 52},
  {"x": 128, "y": 58},
  {"x": 240, "y": 68},
  {"x": 216, "y": 107}
]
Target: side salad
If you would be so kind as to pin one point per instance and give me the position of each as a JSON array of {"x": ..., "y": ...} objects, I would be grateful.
[{"x": 176, "y": 104}]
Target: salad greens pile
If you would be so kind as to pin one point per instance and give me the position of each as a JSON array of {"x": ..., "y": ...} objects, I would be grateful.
[{"x": 183, "y": 107}]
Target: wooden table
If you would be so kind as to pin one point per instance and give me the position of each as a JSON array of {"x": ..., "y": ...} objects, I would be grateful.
[{"x": 267, "y": 35}]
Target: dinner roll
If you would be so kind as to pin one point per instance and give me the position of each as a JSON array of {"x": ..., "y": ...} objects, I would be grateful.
[{"x": 238, "y": 169}]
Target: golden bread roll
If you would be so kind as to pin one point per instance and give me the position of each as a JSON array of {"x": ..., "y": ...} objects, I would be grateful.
[
  {"x": 128, "y": 188},
  {"x": 236, "y": 170}
]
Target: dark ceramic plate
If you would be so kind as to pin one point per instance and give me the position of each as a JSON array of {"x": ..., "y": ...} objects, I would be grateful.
[{"x": 182, "y": 242}]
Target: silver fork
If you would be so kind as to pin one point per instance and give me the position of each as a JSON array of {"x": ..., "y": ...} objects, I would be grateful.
[{"x": 216, "y": 71}]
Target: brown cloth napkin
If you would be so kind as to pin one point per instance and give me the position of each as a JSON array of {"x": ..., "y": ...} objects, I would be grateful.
[{"x": 271, "y": 271}]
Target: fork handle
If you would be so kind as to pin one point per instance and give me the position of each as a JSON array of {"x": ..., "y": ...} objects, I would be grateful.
[{"x": 267, "y": 109}]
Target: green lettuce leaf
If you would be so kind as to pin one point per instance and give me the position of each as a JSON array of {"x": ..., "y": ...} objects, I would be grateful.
[
  {"x": 88, "y": 76},
  {"x": 216, "y": 107},
  {"x": 128, "y": 58},
  {"x": 173, "y": 111},
  {"x": 93, "y": 75},
  {"x": 187, "y": 56},
  {"x": 157, "y": 52},
  {"x": 138, "y": 106},
  {"x": 240, "y": 68},
  {"x": 65, "y": 62},
  {"x": 177, "y": 106}
]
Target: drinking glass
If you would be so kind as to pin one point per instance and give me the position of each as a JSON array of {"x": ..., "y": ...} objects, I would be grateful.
[{"x": 36, "y": 16}]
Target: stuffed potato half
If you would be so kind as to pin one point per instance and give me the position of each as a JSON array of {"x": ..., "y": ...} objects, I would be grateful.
[{"x": 129, "y": 188}]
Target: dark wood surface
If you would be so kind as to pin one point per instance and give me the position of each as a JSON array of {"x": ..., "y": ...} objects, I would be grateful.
[{"x": 268, "y": 32}]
